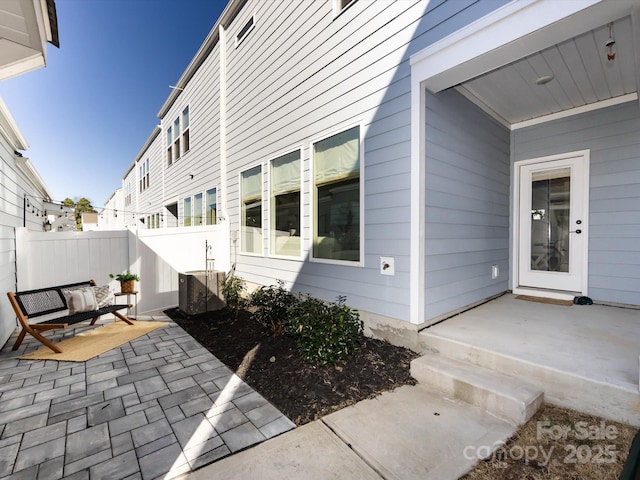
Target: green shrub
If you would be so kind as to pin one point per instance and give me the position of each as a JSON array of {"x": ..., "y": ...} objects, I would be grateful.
[
  {"x": 326, "y": 332},
  {"x": 232, "y": 289},
  {"x": 272, "y": 307}
]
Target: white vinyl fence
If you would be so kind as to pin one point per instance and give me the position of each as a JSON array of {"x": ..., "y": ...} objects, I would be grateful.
[{"x": 157, "y": 256}]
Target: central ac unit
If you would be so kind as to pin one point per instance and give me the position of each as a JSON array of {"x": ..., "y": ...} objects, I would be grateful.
[{"x": 199, "y": 291}]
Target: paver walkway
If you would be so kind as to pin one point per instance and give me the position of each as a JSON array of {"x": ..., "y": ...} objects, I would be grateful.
[{"x": 156, "y": 407}]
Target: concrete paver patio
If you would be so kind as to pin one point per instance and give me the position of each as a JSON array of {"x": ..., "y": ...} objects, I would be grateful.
[{"x": 156, "y": 407}]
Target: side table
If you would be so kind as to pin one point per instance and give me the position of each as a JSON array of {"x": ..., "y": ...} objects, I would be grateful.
[{"x": 135, "y": 305}]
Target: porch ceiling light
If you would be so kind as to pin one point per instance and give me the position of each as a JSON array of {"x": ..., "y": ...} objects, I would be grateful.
[{"x": 543, "y": 79}]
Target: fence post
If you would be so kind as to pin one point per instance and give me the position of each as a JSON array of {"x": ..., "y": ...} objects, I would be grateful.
[{"x": 22, "y": 258}]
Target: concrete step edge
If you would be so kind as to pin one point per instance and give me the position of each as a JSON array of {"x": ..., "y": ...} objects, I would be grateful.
[{"x": 500, "y": 394}]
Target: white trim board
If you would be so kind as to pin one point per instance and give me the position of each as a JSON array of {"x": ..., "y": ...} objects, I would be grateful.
[{"x": 576, "y": 111}]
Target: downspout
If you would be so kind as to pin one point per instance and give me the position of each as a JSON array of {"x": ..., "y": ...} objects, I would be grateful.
[{"x": 224, "y": 217}]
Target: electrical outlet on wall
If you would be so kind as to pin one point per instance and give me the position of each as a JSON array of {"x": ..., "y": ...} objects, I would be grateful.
[
  {"x": 495, "y": 271},
  {"x": 387, "y": 266}
]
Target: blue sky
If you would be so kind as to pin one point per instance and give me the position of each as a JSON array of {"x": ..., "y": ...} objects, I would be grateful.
[{"x": 89, "y": 112}]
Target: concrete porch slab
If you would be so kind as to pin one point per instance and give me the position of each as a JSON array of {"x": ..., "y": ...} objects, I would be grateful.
[{"x": 582, "y": 357}]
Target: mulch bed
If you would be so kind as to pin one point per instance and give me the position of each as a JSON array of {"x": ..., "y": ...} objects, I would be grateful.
[{"x": 272, "y": 365}]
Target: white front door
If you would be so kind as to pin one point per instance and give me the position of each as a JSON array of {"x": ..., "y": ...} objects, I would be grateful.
[{"x": 552, "y": 215}]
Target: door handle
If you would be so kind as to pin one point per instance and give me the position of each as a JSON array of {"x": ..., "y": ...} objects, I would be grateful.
[{"x": 576, "y": 231}]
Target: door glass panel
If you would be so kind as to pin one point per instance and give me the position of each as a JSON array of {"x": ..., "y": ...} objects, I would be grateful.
[{"x": 550, "y": 220}]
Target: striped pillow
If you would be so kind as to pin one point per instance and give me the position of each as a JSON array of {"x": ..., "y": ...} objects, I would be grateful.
[{"x": 80, "y": 300}]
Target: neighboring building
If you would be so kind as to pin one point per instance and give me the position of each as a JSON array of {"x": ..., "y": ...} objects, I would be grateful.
[
  {"x": 25, "y": 28},
  {"x": 109, "y": 218},
  {"x": 418, "y": 157},
  {"x": 89, "y": 221}
]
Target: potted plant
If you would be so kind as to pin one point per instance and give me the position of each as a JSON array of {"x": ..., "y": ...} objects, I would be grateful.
[{"x": 126, "y": 281}]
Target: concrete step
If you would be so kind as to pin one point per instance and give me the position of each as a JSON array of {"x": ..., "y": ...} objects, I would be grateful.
[
  {"x": 568, "y": 389},
  {"x": 499, "y": 394}
]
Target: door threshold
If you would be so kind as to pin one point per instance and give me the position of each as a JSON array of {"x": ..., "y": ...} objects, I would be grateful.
[{"x": 538, "y": 292}]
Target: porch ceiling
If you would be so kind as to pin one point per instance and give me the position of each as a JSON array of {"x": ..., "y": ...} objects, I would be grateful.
[{"x": 582, "y": 76}]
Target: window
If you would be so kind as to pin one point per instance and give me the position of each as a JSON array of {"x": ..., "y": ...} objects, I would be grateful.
[
  {"x": 144, "y": 175},
  {"x": 187, "y": 212},
  {"x": 178, "y": 141},
  {"x": 345, "y": 3},
  {"x": 336, "y": 216},
  {"x": 251, "y": 210},
  {"x": 197, "y": 209},
  {"x": 285, "y": 205},
  {"x": 212, "y": 216},
  {"x": 185, "y": 130},
  {"x": 244, "y": 31},
  {"x": 170, "y": 147},
  {"x": 127, "y": 194},
  {"x": 341, "y": 5}
]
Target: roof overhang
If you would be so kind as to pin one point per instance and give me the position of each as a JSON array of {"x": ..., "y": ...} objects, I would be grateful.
[
  {"x": 9, "y": 129},
  {"x": 25, "y": 28},
  {"x": 474, "y": 57}
]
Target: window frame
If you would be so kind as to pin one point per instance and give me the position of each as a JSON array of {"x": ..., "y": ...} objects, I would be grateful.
[
  {"x": 339, "y": 7},
  {"x": 246, "y": 29},
  {"x": 198, "y": 198},
  {"x": 127, "y": 193},
  {"x": 240, "y": 211},
  {"x": 206, "y": 206},
  {"x": 314, "y": 197},
  {"x": 178, "y": 137},
  {"x": 144, "y": 175},
  {"x": 186, "y": 144},
  {"x": 271, "y": 205},
  {"x": 188, "y": 199},
  {"x": 169, "y": 149}
]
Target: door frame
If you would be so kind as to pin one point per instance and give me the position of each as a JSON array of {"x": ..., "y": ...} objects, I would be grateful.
[{"x": 515, "y": 226}]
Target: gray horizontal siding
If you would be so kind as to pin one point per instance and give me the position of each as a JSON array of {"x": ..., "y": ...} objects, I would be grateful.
[
  {"x": 613, "y": 137},
  {"x": 467, "y": 204},
  {"x": 349, "y": 70}
]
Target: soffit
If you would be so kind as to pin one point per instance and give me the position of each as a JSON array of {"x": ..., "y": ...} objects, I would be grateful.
[{"x": 582, "y": 75}]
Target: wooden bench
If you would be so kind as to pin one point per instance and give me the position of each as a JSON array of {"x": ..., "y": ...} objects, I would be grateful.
[{"x": 31, "y": 304}]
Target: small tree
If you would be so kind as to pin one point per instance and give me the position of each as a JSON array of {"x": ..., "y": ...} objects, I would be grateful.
[{"x": 81, "y": 206}]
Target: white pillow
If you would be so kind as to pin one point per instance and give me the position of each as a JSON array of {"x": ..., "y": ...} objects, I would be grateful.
[
  {"x": 80, "y": 300},
  {"x": 104, "y": 296}
]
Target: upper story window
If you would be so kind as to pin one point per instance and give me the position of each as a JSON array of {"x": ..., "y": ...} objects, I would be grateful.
[
  {"x": 337, "y": 229},
  {"x": 144, "y": 175},
  {"x": 244, "y": 31},
  {"x": 127, "y": 194},
  {"x": 178, "y": 137},
  {"x": 340, "y": 6},
  {"x": 169, "y": 146},
  {"x": 185, "y": 130},
  {"x": 285, "y": 205}
]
